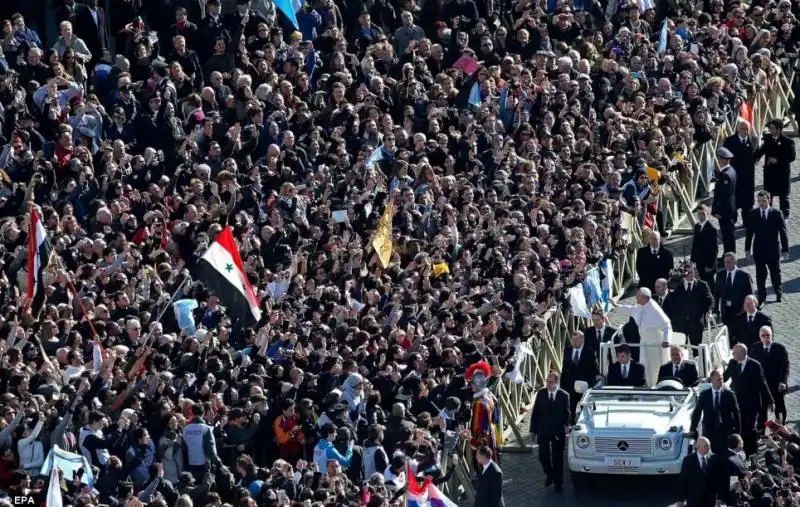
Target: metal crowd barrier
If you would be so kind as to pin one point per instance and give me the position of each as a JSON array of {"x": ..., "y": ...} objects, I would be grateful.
[{"x": 544, "y": 351}]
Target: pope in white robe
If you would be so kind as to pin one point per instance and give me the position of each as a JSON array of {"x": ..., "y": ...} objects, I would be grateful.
[{"x": 655, "y": 330}]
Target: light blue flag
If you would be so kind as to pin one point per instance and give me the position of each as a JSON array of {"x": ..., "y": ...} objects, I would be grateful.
[
  {"x": 287, "y": 8},
  {"x": 592, "y": 290},
  {"x": 184, "y": 315},
  {"x": 475, "y": 95},
  {"x": 69, "y": 463},
  {"x": 375, "y": 157},
  {"x": 662, "y": 39},
  {"x": 607, "y": 282},
  {"x": 278, "y": 289}
]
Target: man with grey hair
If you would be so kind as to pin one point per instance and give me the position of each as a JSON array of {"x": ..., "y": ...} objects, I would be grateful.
[
  {"x": 407, "y": 33},
  {"x": 749, "y": 384}
]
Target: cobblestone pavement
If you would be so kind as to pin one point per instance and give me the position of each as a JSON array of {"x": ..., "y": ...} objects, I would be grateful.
[{"x": 524, "y": 480}]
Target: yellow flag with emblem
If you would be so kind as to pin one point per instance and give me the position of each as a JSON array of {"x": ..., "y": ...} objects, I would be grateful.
[{"x": 382, "y": 241}]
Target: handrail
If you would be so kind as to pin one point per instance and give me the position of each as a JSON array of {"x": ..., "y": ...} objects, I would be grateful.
[{"x": 543, "y": 352}]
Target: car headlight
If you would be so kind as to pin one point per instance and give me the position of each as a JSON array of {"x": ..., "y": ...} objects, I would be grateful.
[
  {"x": 583, "y": 442},
  {"x": 665, "y": 443}
]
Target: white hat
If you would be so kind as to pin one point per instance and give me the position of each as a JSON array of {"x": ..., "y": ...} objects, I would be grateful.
[{"x": 644, "y": 291}]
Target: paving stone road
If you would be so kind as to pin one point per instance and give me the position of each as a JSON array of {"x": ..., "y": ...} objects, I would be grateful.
[{"x": 524, "y": 480}]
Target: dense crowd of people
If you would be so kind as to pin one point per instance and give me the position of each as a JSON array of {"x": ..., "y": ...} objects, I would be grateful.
[{"x": 506, "y": 138}]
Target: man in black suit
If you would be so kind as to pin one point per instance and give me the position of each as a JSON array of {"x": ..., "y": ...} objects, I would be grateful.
[
  {"x": 626, "y": 372},
  {"x": 720, "y": 412},
  {"x": 210, "y": 29},
  {"x": 705, "y": 246},
  {"x": 752, "y": 392},
  {"x": 724, "y": 205},
  {"x": 549, "y": 422},
  {"x": 730, "y": 288},
  {"x": 779, "y": 153},
  {"x": 767, "y": 227},
  {"x": 580, "y": 363},
  {"x": 653, "y": 261},
  {"x": 746, "y": 327},
  {"x": 732, "y": 464},
  {"x": 743, "y": 146},
  {"x": 600, "y": 332},
  {"x": 91, "y": 25},
  {"x": 69, "y": 12},
  {"x": 700, "y": 476},
  {"x": 690, "y": 304},
  {"x": 685, "y": 371},
  {"x": 489, "y": 491},
  {"x": 775, "y": 360}
]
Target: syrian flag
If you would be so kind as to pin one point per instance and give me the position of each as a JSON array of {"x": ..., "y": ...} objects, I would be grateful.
[
  {"x": 38, "y": 258},
  {"x": 222, "y": 271}
]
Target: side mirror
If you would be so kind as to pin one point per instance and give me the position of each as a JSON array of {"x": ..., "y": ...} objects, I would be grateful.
[{"x": 581, "y": 386}]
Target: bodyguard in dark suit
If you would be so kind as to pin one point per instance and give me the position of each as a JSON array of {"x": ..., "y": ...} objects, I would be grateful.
[
  {"x": 732, "y": 464},
  {"x": 653, "y": 262},
  {"x": 685, "y": 371},
  {"x": 69, "y": 11},
  {"x": 626, "y": 372},
  {"x": 489, "y": 491},
  {"x": 743, "y": 145},
  {"x": 580, "y": 363},
  {"x": 746, "y": 327},
  {"x": 210, "y": 29},
  {"x": 705, "y": 246},
  {"x": 779, "y": 153},
  {"x": 724, "y": 204},
  {"x": 767, "y": 227},
  {"x": 700, "y": 474},
  {"x": 600, "y": 332},
  {"x": 549, "y": 422},
  {"x": 690, "y": 303},
  {"x": 720, "y": 412},
  {"x": 91, "y": 25},
  {"x": 750, "y": 387},
  {"x": 730, "y": 288},
  {"x": 775, "y": 360}
]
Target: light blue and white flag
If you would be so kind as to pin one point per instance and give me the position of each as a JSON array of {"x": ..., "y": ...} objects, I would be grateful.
[
  {"x": 184, "y": 315},
  {"x": 375, "y": 157},
  {"x": 607, "y": 282},
  {"x": 68, "y": 463},
  {"x": 287, "y": 7},
  {"x": 664, "y": 36},
  {"x": 475, "y": 95},
  {"x": 592, "y": 288}
]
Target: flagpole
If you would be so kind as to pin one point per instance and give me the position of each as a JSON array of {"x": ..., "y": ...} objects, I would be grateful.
[
  {"x": 164, "y": 310},
  {"x": 60, "y": 265}
]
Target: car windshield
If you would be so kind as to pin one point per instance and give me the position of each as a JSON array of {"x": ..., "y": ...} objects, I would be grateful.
[{"x": 658, "y": 397}]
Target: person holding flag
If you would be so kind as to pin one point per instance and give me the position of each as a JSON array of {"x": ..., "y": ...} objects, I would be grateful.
[{"x": 39, "y": 249}]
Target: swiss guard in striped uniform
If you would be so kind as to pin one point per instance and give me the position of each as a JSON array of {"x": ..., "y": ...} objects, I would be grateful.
[{"x": 485, "y": 423}]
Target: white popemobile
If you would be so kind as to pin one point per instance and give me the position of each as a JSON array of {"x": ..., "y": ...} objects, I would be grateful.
[{"x": 627, "y": 430}]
